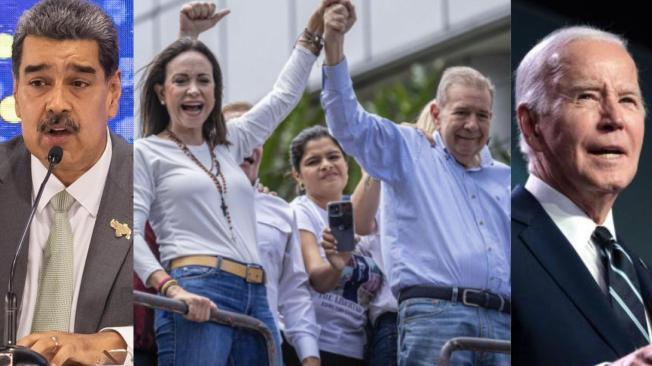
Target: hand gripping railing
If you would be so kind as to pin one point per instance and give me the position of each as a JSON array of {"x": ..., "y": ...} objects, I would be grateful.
[
  {"x": 223, "y": 317},
  {"x": 472, "y": 344}
]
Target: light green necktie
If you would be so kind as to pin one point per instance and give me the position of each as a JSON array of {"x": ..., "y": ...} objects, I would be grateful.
[{"x": 53, "y": 303}]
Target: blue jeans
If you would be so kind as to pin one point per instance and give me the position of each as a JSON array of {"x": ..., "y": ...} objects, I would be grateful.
[
  {"x": 426, "y": 324},
  {"x": 183, "y": 342},
  {"x": 383, "y": 341}
]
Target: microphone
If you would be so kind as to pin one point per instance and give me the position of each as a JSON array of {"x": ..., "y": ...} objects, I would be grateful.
[
  {"x": 9, "y": 349},
  {"x": 54, "y": 156}
]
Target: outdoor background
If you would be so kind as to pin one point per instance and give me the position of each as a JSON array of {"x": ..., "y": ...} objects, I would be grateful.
[{"x": 396, "y": 52}]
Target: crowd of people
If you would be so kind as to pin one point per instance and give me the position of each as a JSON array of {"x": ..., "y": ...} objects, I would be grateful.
[
  {"x": 225, "y": 244},
  {"x": 435, "y": 221}
]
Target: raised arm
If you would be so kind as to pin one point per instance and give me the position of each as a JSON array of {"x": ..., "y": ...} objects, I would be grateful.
[
  {"x": 366, "y": 199},
  {"x": 254, "y": 127},
  {"x": 338, "y": 19},
  {"x": 376, "y": 143}
]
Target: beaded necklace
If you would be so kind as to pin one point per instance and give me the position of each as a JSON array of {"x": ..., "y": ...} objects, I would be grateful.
[{"x": 217, "y": 178}]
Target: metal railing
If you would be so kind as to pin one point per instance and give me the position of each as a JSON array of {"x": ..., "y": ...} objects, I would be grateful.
[
  {"x": 222, "y": 317},
  {"x": 472, "y": 344}
]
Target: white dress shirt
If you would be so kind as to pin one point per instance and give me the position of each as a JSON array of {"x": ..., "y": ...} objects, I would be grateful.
[
  {"x": 82, "y": 215},
  {"x": 577, "y": 228},
  {"x": 287, "y": 281}
]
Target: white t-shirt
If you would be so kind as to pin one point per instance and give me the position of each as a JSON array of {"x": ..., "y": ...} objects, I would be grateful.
[
  {"x": 181, "y": 201},
  {"x": 185, "y": 204},
  {"x": 342, "y": 319}
]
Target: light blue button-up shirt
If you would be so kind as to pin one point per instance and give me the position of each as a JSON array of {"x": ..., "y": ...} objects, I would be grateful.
[{"x": 443, "y": 224}]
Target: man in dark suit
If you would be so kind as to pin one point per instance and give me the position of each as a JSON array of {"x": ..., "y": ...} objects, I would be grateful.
[
  {"x": 580, "y": 297},
  {"x": 66, "y": 87}
]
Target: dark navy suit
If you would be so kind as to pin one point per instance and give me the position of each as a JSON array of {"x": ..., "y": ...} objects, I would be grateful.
[{"x": 560, "y": 316}]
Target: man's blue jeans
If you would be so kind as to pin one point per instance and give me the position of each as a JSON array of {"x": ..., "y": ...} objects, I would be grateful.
[
  {"x": 183, "y": 342},
  {"x": 426, "y": 324}
]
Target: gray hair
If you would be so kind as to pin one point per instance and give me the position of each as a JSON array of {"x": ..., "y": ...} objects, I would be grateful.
[
  {"x": 540, "y": 69},
  {"x": 68, "y": 20},
  {"x": 462, "y": 75}
]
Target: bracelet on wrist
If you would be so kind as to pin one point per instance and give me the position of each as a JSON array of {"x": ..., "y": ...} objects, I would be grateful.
[
  {"x": 166, "y": 286},
  {"x": 316, "y": 41},
  {"x": 162, "y": 282}
]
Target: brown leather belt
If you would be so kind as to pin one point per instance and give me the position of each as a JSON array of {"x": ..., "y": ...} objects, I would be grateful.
[{"x": 251, "y": 273}]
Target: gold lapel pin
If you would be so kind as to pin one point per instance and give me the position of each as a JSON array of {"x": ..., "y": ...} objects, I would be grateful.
[{"x": 121, "y": 229}]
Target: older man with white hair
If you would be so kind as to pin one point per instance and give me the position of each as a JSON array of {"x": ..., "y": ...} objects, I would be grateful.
[
  {"x": 580, "y": 297},
  {"x": 445, "y": 232}
]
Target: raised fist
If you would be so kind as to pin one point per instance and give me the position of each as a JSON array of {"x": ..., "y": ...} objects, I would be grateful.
[{"x": 197, "y": 17}]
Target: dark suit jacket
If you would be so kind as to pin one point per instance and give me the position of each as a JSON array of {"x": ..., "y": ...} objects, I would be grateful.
[
  {"x": 560, "y": 316},
  {"x": 105, "y": 295}
]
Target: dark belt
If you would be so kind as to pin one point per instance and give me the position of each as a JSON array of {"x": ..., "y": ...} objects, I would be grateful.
[{"x": 466, "y": 296}]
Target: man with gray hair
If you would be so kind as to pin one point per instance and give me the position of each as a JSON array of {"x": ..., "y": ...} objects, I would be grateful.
[
  {"x": 580, "y": 296},
  {"x": 445, "y": 211},
  {"x": 73, "y": 278}
]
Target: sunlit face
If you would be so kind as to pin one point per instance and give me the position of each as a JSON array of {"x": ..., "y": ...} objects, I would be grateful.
[
  {"x": 324, "y": 172},
  {"x": 592, "y": 139},
  {"x": 63, "y": 98},
  {"x": 189, "y": 91},
  {"x": 464, "y": 122}
]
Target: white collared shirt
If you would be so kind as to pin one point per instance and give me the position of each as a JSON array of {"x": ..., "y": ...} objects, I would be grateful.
[
  {"x": 287, "y": 284},
  {"x": 577, "y": 228},
  {"x": 87, "y": 191}
]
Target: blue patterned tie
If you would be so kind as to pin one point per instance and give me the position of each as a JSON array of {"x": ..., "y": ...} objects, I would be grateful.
[{"x": 624, "y": 292}]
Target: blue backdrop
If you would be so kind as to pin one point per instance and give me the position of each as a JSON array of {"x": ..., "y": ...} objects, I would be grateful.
[{"x": 122, "y": 13}]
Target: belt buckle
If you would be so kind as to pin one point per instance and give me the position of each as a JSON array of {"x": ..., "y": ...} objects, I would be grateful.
[
  {"x": 465, "y": 292},
  {"x": 251, "y": 276}
]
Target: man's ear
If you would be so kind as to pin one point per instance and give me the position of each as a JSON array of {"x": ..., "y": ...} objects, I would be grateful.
[
  {"x": 115, "y": 90},
  {"x": 528, "y": 123},
  {"x": 434, "y": 113}
]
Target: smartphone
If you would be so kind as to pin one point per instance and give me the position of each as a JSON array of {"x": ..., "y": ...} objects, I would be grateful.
[{"x": 340, "y": 221}]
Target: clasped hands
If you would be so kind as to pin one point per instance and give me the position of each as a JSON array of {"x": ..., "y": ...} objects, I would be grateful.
[{"x": 333, "y": 18}]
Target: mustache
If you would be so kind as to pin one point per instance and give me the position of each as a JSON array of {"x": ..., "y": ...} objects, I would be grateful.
[{"x": 58, "y": 120}]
